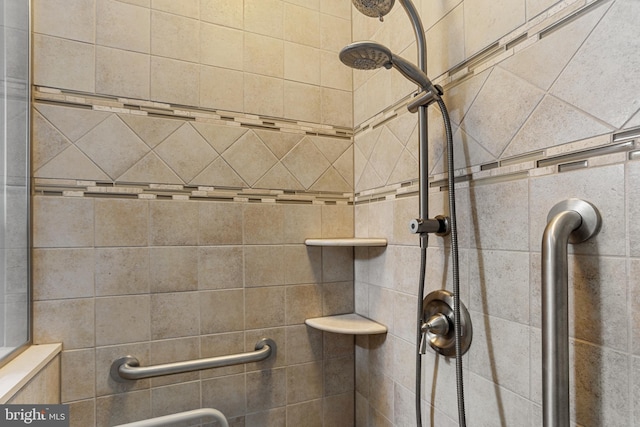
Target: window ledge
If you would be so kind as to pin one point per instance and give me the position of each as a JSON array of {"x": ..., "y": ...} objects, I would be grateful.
[{"x": 17, "y": 373}]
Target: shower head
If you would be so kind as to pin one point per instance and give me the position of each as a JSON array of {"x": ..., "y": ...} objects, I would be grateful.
[
  {"x": 367, "y": 55},
  {"x": 374, "y": 8}
]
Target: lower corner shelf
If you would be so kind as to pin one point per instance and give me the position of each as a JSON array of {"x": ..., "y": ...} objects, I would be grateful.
[{"x": 347, "y": 324}]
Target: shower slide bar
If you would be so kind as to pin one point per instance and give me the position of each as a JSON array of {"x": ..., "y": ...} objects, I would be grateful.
[
  {"x": 570, "y": 221},
  {"x": 169, "y": 420},
  {"x": 128, "y": 367}
]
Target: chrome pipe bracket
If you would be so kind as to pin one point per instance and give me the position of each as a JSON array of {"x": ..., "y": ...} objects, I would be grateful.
[
  {"x": 439, "y": 304},
  {"x": 438, "y": 226}
]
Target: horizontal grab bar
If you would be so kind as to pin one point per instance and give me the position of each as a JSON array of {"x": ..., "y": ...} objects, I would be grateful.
[
  {"x": 168, "y": 420},
  {"x": 128, "y": 367}
]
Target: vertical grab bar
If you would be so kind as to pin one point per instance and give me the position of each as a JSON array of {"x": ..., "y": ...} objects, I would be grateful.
[{"x": 570, "y": 221}]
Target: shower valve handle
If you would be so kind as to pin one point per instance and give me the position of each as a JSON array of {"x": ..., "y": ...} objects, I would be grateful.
[
  {"x": 438, "y": 324},
  {"x": 438, "y": 225}
]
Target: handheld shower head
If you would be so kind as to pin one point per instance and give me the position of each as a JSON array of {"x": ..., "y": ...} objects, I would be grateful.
[
  {"x": 373, "y": 8},
  {"x": 368, "y": 55}
]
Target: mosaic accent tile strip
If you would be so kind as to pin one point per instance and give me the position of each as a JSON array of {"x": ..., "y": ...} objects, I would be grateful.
[
  {"x": 123, "y": 141},
  {"x": 599, "y": 151},
  {"x": 79, "y": 188}
]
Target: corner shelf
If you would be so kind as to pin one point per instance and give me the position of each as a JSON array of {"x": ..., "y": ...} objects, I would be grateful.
[
  {"x": 353, "y": 324},
  {"x": 348, "y": 241}
]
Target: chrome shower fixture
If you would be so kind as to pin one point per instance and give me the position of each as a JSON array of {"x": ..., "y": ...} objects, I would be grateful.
[
  {"x": 368, "y": 55},
  {"x": 374, "y": 8}
]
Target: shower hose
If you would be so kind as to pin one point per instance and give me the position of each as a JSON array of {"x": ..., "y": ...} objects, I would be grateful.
[{"x": 456, "y": 285}]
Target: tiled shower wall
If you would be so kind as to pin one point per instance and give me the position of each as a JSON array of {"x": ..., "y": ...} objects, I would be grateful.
[
  {"x": 547, "y": 112},
  {"x": 182, "y": 152}
]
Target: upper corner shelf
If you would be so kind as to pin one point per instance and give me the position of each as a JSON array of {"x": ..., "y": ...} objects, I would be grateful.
[
  {"x": 348, "y": 241},
  {"x": 347, "y": 324}
]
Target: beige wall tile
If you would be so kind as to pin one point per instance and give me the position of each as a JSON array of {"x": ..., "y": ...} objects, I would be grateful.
[
  {"x": 249, "y": 157},
  {"x": 189, "y": 8},
  {"x": 73, "y": 20},
  {"x": 335, "y": 74},
  {"x": 113, "y": 146},
  {"x": 302, "y": 101},
  {"x": 302, "y": 302},
  {"x": 229, "y": 13},
  {"x": 123, "y": 26},
  {"x": 77, "y": 374},
  {"x": 221, "y": 311},
  {"x": 63, "y": 273},
  {"x": 220, "y": 267},
  {"x": 68, "y": 321},
  {"x": 304, "y": 264},
  {"x": 220, "y": 223},
  {"x": 173, "y": 223},
  {"x": 266, "y": 389},
  {"x": 121, "y": 222},
  {"x": 263, "y": 95},
  {"x": 264, "y": 17},
  {"x": 226, "y": 394},
  {"x": 121, "y": 271},
  {"x": 304, "y": 382},
  {"x": 334, "y": 32},
  {"x": 338, "y": 376},
  {"x": 502, "y": 18},
  {"x": 110, "y": 78},
  {"x": 337, "y": 298},
  {"x": 339, "y": 410},
  {"x": 264, "y": 265},
  {"x": 122, "y": 320},
  {"x": 173, "y": 269},
  {"x": 174, "y": 36},
  {"x": 221, "y": 46},
  {"x": 307, "y": 413},
  {"x": 303, "y": 344},
  {"x": 49, "y": 64},
  {"x": 337, "y": 221},
  {"x": 263, "y": 223},
  {"x": 337, "y": 264},
  {"x": 62, "y": 222},
  {"x": 186, "y": 152},
  {"x": 82, "y": 413},
  {"x": 123, "y": 408},
  {"x": 166, "y": 88},
  {"x": 264, "y": 307},
  {"x": 336, "y": 110},
  {"x": 301, "y": 25},
  {"x": 175, "y": 315},
  {"x": 263, "y": 55},
  {"x": 175, "y": 398},
  {"x": 301, "y": 63},
  {"x": 336, "y": 8},
  {"x": 301, "y": 222}
]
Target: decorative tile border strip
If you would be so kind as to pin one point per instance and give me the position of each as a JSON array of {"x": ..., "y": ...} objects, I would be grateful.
[
  {"x": 598, "y": 151},
  {"x": 159, "y": 109},
  {"x": 512, "y": 43},
  {"x": 76, "y": 188}
]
